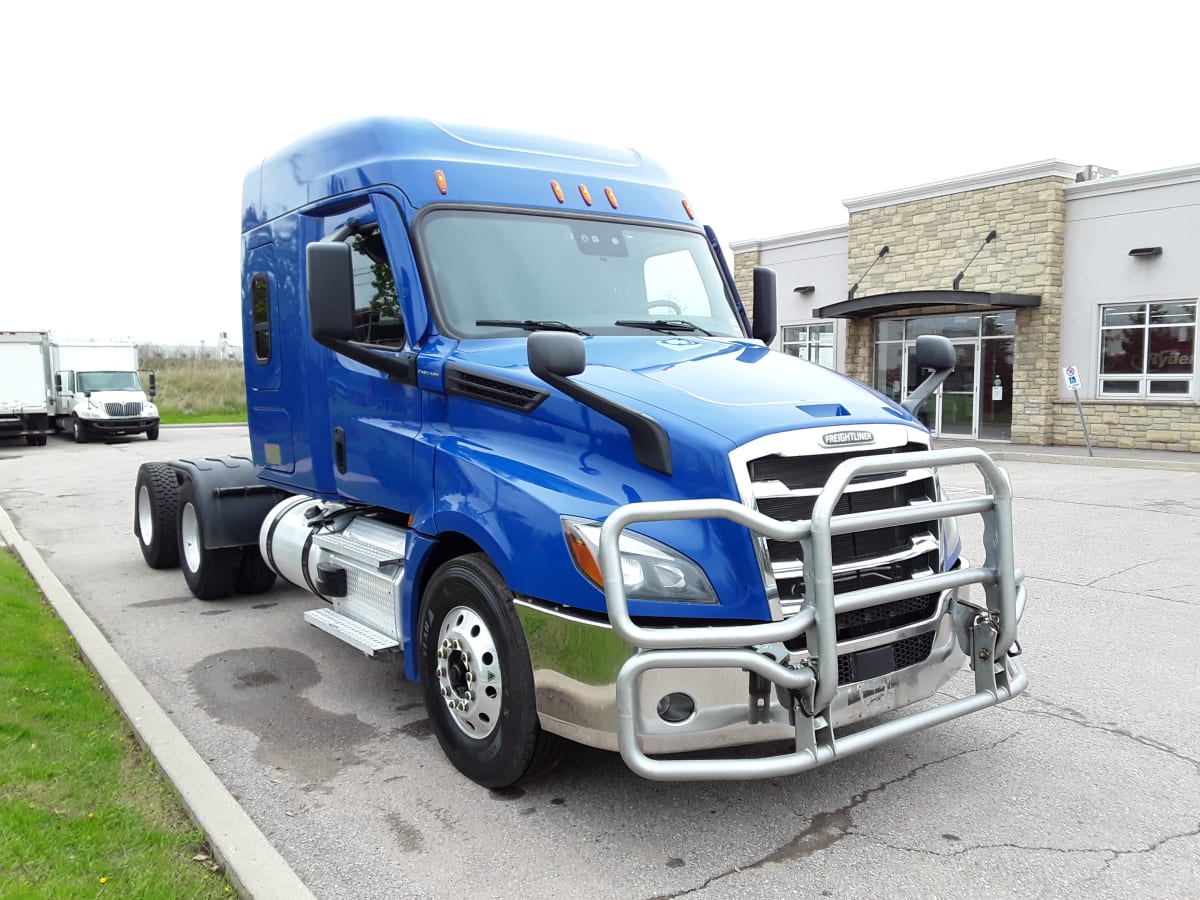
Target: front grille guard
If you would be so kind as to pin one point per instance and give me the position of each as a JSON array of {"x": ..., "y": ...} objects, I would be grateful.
[{"x": 988, "y": 637}]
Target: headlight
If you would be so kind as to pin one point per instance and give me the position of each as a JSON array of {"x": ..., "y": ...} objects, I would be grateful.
[
  {"x": 649, "y": 569},
  {"x": 89, "y": 410},
  {"x": 149, "y": 409}
]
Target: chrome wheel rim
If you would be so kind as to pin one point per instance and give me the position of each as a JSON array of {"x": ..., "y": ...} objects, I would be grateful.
[
  {"x": 189, "y": 537},
  {"x": 145, "y": 519},
  {"x": 468, "y": 672}
]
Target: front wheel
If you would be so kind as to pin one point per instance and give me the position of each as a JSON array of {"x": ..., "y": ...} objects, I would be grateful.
[
  {"x": 79, "y": 431},
  {"x": 209, "y": 572},
  {"x": 476, "y": 677},
  {"x": 152, "y": 433}
]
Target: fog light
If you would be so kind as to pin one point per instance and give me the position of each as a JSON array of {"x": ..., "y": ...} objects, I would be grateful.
[{"x": 676, "y": 708}]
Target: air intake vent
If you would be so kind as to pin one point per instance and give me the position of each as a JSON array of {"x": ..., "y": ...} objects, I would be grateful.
[{"x": 492, "y": 390}]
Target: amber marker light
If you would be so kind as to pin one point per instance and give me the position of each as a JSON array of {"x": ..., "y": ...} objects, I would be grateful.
[
  {"x": 582, "y": 554},
  {"x": 440, "y": 177},
  {"x": 612, "y": 198},
  {"x": 687, "y": 208},
  {"x": 585, "y": 194},
  {"x": 557, "y": 188}
]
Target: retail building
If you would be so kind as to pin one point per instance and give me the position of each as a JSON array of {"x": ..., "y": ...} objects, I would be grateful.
[{"x": 1028, "y": 270}]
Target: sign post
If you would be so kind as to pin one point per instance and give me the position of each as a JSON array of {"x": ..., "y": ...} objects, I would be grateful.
[{"x": 1071, "y": 373}]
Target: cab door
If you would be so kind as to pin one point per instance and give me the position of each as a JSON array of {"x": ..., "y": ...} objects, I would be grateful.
[{"x": 374, "y": 421}]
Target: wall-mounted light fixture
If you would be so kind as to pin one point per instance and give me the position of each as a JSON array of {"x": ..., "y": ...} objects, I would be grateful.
[
  {"x": 1144, "y": 252},
  {"x": 804, "y": 289}
]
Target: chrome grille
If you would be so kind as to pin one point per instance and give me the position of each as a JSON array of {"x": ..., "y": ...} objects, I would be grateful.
[
  {"x": 123, "y": 409},
  {"x": 786, "y": 488}
]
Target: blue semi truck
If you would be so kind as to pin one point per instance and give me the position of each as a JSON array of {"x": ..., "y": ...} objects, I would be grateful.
[{"x": 509, "y": 419}]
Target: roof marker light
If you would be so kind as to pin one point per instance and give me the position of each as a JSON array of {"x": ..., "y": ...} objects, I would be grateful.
[
  {"x": 440, "y": 177},
  {"x": 687, "y": 207},
  {"x": 558, "y": 193},
  {"x": 612, "y": 198},
  {"x": 585, "y": 194}
]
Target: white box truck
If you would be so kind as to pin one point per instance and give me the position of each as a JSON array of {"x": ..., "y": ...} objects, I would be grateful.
[
  {"x": 25, "y": 385},
  {"x": 98, "y": 392}
]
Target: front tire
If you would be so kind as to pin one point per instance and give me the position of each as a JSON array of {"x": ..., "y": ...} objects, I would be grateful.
[
  {"x": 155, "y": 509},
  {"x": 477, "y": 679},
  {"x": 79, "y": 430},
  {"x": 152, "y": 433},
  {"x": 209, "y": 572}
]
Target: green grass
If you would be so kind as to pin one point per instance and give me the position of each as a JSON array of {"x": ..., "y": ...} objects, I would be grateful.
[
  {"x": 83, "y": 810},
  {"x": 198, "y": 390}
]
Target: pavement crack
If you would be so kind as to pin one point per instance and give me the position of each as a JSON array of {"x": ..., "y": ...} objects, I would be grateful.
[
  {"x": 1120, "y": 572},
  {"x": 1074, "y": 716},
  {"x": 827, "y": 828}
]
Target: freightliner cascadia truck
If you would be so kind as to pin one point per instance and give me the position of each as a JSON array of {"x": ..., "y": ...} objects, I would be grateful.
[{"x": 509, "y": 419}]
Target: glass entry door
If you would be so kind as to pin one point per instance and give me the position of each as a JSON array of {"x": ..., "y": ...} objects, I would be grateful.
[
  {"x": 950, "y": 412},
  {"x": 956, "y": 398},
  {"x": 975, "y": 402}
]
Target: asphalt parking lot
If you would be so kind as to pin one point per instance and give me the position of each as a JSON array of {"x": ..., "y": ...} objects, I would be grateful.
[{"x": 1088, "y": 785}]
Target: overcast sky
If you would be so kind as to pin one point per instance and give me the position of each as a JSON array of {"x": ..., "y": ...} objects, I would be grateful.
[{"x": 131, "y": 126}]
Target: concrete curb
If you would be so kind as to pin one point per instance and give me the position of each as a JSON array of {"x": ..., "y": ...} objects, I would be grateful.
[{"x": 252, "y": 863}]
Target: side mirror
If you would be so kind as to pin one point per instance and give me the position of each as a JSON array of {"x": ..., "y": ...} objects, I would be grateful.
[
  {"x": 330, "y": 292},
  {"x": 766, "y": 321},
  {"x": 153, "y": 386},
  {"x": 933, "y": 352},
  {"x": 556, "y": 353}
]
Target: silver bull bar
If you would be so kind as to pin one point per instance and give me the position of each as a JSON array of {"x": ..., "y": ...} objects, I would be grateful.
[{"x": 988, "y": 635}]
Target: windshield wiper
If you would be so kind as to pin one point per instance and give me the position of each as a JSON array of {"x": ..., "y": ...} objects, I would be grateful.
[
  {"x": 662, "y": 325},
  {"x": 531, "y": 325}
]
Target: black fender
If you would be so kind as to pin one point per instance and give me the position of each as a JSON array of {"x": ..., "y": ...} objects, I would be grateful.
[{"x": 231, "y": 502}]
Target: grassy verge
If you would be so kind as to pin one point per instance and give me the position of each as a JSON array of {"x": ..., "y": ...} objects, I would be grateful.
[
  {"x": 83, "y": 810},
  {"x": 198, "y": 390}
]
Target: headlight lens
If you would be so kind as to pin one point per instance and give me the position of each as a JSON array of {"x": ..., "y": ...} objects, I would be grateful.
[{"x": 649, "y": 569}]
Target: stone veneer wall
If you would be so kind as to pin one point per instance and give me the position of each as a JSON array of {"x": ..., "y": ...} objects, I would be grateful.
[
  {"x": 931, "y": 239},
  {"x": 1129, "y": 426},
  {"x": 743, "y": 277}
]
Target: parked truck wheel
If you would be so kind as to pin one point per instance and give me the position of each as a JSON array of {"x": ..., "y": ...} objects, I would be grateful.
[
  {"x": 152, "y": 433},
  {"x": 209, "y": 572},
  {"x": 254, "y": 576},
  {"x": 156, "y": 508},
  {"x": 476, "y": 677},
  {"x": 79, "y": 430}
]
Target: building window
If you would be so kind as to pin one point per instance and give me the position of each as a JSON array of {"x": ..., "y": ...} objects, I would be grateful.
[
  {"x": 1147, "y": 349},
  {"x": 811, "y": 342}
]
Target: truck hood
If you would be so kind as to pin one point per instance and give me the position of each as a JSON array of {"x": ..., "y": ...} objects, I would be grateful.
[{"x": 737, "y": 389}]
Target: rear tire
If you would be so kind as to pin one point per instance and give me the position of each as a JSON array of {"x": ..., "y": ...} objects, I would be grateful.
[
  {"x": 79, "y": 430},
  {"x": 209, "y": 572},
  {"x": 476, "y": 677},
  {"x": 254, "y": 576},
  {"x": 155, "y": 510}
]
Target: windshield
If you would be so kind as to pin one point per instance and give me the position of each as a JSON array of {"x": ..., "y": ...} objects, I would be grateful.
[
  {"x": 108, "y": 381},
  {"x": 515, "y": 268}
]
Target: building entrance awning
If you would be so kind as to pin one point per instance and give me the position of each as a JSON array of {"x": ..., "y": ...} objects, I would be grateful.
[{"x": 861, "y": 307}]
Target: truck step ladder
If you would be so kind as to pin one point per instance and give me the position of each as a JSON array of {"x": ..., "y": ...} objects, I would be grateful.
[{"x": 357, "y": 635}]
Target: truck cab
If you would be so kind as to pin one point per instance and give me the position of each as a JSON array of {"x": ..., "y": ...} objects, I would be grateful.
[{"x": 509, "y": 418}]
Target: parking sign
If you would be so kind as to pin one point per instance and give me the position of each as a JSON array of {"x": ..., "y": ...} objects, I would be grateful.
[{"x": 1072, "y": 374}]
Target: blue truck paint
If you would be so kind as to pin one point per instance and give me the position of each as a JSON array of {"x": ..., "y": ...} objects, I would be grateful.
[{"x": 426, "y": 451}]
